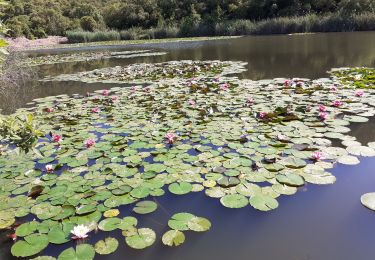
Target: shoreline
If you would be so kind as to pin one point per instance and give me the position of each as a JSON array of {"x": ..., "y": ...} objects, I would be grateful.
[{"x": 117, "y": 44}]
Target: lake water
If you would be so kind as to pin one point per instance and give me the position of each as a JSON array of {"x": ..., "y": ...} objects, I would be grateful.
[{"x": 318, "y": 223}]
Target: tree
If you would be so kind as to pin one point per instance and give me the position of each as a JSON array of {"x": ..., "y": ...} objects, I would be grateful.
[{"x": 88, "y": 23}]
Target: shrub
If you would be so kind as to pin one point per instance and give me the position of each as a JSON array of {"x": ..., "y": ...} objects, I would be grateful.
[{"x": 88, "y": 23}]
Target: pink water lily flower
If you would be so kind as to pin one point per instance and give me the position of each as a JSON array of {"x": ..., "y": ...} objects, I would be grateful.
[
  {"x": 57, "y": 138},
  {"x": 224, "y": 86},
  {"x": 250, "y": 101},
  {"x": 323, "y": 115},
  {"x": 95, "y": 110},
  {"x": 170, "y": 137},
  {"x": 49, "y": 109},
  {"x": 114, "y": 98},
  {"x": 262, "y": 115},
  {"x": 105, "y": 92},
  {"x": 288, "y": 82},
  {"x": 147, "y": 89},
  {"x": 359, "y": 93},
  {"x": 191, "y": 102},
  {"x": 80, "y": 232},
  {"x": 49, "y": 168},
  {"x": 322, "y": 108},
  {"x": 89, "y": 143},
  {"x": 300, "y": 84},
  {"x": 337, "y": 103},
  {"x": 317, "y": 156}
]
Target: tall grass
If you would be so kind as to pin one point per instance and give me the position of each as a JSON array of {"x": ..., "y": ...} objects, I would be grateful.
[
  {"x": 282, "y": 25},
  {"x": 82, "y": 36}
]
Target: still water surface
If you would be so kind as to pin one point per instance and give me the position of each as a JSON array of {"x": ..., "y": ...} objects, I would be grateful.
[
  {"x": 318, "y": 223},
  {"x": 308, "y": 56}
]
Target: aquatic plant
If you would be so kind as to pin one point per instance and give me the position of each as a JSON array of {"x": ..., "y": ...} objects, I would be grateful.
[
  {"x": 20, "y": 130},
  {"x": 224, "y": 149},
  {"x": 363, "y": 78},
  {"x": 86, "y": 56}
]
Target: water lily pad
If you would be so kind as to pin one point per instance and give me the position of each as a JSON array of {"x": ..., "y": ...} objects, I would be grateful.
[
  {"x": 180, "y": 188},
  {"x": 33, "y": 244},
  {"x": 368, "y": 200},
  {"x": 106, "y": 246},
  {"x": 173, "y": 238},
  {"x": 111, "y": 213},
  {"x": 26, "y": 228},
  {"x": 57, "y": 236},
  {"x": 234, "y": 201},
  {"x": 143, "y": 238},
  {"x": 82, "y": 252},
  {"x": 199, "y": 224},
  {"x": 145, "y": 207},
  {"x": 348, "y": 160},
  {"x": 290, "y": 179},
  {"x": 109, "y": 224},
  {"x": 179, "y": 221},
  {"x": 263, "y": 203}
]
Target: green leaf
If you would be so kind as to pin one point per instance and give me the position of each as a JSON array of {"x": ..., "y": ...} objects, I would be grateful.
[
  {"x": 180, "y": 188},
  {"x": 106, "y": 246},
  {"x": 26, "y": 228},
  {"x": 57, "y": 236},
  {"x": 290, "y": 179},
  {"x": 82, "y": 252},
  {"x": 143, "y": 238},
  {"x": 199, "y": 224},
  {"x": 173, "y": 238},
  {"x": 145, "y": 207},
  {"x": 234, "y": 201},
  {"x": 263, "y": 202},
  {"x": 180, "y": 221},
  {"x": 109, "y": 224},
  {"x": 33, "y": 244}
]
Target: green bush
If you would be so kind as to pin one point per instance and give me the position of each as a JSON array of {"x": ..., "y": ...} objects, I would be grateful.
[{"x": 88, "y": 23}]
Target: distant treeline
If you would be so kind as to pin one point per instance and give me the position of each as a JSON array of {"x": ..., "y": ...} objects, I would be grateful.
[{"x": 128, "y": 19}]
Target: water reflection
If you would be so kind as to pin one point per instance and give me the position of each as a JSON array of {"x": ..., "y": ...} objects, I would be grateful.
[{"x": 268, "y": 57}]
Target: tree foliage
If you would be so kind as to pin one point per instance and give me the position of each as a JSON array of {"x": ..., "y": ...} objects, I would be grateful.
[{"x": 37, "y": 18}]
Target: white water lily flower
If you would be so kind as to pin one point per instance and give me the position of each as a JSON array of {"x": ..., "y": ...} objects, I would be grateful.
[{"x": 80, "y": 231}]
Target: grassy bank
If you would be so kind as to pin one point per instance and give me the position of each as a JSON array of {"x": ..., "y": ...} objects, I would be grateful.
[{"x": 283, "y": 25}]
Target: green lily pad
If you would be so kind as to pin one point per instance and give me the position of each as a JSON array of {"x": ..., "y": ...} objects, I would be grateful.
[
  {"x": 263, "y": 202},
  {"x": 106, "y": 246},
  {"x": 145, "y": 207},
  {"x": 143, "y": 238},
  {"x": 290, "y": 179},
  {"x": 199, "y": 224},
  {"x": 33, "y": 244},
  {"x": 82, "y": 252},
  {"x": 173, "y": 238},
  {"x": 234, "y": 201},
  {"x": 180, "y": 188}
]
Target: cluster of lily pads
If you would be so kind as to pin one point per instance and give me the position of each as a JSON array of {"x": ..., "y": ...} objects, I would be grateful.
[
  {"x": 152, "y": 73},
  {"x": 87, "y": 56},
  {"x": 356, "y": 77},
  {"x": 193, "y": 129}
]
